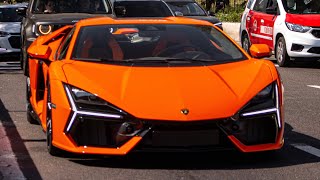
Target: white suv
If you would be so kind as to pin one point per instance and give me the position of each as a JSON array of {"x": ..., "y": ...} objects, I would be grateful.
[{"x": 289, "y": 27}]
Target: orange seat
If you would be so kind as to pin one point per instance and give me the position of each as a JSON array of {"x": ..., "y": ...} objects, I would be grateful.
[{"x": 101, "y": 46}]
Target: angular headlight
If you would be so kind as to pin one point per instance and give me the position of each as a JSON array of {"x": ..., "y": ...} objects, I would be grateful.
[
  {"x": 91, "y": 102},
  {"x": 297, "y": 27},
  {"x": 265, "y": 99}
]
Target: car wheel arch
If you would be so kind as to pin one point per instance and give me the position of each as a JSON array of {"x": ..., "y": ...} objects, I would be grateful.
[
  {"x": 276, "y": 39},
  {"x": 243, "y": 34},
  {"x": 284, "y": 57}
]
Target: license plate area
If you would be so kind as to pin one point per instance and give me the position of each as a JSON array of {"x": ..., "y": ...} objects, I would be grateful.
[{"x": 185, "y": 138}]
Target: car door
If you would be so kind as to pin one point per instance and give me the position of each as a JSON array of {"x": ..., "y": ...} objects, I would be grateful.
[
  {"x": 267, "y": 23},
  {"x": 255, "y": 20}
]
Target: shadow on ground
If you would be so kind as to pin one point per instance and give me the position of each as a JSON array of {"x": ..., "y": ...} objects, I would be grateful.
[
  {"x": 24, "y": 160},
  {"x": 302, "y": 64}
]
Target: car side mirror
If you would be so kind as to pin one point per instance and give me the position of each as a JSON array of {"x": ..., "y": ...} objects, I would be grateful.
[
  {"x": 39, "y": 52},
  {"x": 272, "y": 10},
  {"x": 178, "y": 13},
  {"x": 22, "y": 11},
  {"x": 211, "y": 13},
  {"x": 260, "y": 50},
  {"x": 120, "y": 10}
]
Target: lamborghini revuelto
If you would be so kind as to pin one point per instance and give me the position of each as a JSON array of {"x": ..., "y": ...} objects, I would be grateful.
[{"x": 112, "y": 86}]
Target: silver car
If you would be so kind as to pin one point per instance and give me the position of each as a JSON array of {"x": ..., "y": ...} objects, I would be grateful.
[{"x": 10, "y": 23}]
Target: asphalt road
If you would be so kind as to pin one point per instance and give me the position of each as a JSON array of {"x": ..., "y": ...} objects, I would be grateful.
[{"x": 23, "y": 153}]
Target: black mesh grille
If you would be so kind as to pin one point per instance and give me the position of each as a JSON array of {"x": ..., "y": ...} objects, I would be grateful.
[
  {"x": 15, "y": 34},
  {"x": 15, "y": 41},
  {"x": 184, "y": 136},
  {"x": 314, "y": 50},
  {"x": 57, "y": 26},
  {"x": 98, "y": 132},
  {"x": 259, "y": 130},
  {"x": 316, "y": 33}
]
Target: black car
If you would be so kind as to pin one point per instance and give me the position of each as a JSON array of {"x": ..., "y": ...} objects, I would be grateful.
[
  {"x": 42, "y": 17},
  {"x": 190, "y": 8},
  {"x": 163, "y": 8}
]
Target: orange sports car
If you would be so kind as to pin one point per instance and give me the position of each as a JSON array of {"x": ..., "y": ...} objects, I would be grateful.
[{"x": 112, "y": 86}]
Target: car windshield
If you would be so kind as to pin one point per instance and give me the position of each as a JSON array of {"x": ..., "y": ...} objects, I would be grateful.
[
  {"x": 9, "y": 15},
  {"x": 71, "y": 6},
  {"x": 154, "y": 43},
  {"x": 143, "y": 9},
  {"x": 302, "y": 6},
  {"x": 187, "y": 8}
]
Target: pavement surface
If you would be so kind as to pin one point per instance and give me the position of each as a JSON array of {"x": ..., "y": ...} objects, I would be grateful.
[{"x": 23, "y": 153}]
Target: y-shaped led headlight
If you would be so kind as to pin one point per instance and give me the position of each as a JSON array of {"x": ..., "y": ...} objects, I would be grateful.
[
  {"x": 265, "y": 102},
  {"x": 85, "y": 103}
]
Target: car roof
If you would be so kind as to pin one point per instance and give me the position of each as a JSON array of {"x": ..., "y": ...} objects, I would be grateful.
[
  {"x": 167, "y": 20},
  {"x": 14, "y": 5}
]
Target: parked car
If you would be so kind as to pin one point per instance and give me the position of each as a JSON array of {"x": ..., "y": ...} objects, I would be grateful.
[
  {"x": 10, "y": 32},
  {"x": 190, "y": 8},
  {"x": 164, "y": 8},
  {"x": 290, "y": 28},
  {"x": 42, "y": 19},
  {"x": 112, "y": 86}
]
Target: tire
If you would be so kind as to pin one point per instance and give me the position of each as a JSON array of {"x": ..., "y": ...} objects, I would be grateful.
[
  {"x": 24, "y": 62},
  {"x": 245, "y": 42},
  {"x": 21, "y": 59},
  {"x": 30, "y": 117},
  {"x": 54, "y": 151},
  {"x": 281, "y": 54}
]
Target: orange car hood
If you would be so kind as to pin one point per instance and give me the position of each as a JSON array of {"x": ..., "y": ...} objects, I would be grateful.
[{"x": 160, "y": 93}]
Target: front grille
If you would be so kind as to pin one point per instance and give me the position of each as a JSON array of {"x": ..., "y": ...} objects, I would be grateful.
[
  {"x": 316, "y": 33},
  {"x": 98, "y": 132},
  {"x": 314, "y": 50},
  {"x": 57, "y": 26},
  {"x": 184, "y": 136},
  {"x": 15, "y": 41},
  {"x": 15, "y": 34},
  {"x": 257, "y": 130}
]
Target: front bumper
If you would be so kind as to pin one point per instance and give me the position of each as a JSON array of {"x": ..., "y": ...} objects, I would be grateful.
[
  {"x": 303, "y": 45},
  {"x": 97, "y": 133},
  {"x": 96, "y": 137},
  {"x": 10, "y": 45}
]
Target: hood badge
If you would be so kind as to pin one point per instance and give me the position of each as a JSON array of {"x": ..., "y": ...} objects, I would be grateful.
[{"x": 185, "y": 111}]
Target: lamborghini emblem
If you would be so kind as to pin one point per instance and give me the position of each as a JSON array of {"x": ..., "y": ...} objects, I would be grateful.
[{"x": 185, "y": 111}]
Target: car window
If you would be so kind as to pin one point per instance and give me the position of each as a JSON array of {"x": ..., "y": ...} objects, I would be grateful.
[
  {"x": 144, "y": 9},
  {"x": 9, "y": 15},
  {"x": 71, "y": 6},
  {"x": 260, "y": 5},
  {"x": 249, "y": 4},
  {"x": 302, "y": 6},
  {"x": 62, "y": 52},
  {"x": 187, "y": 8},
  {"x": 127, "y": 42}
]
